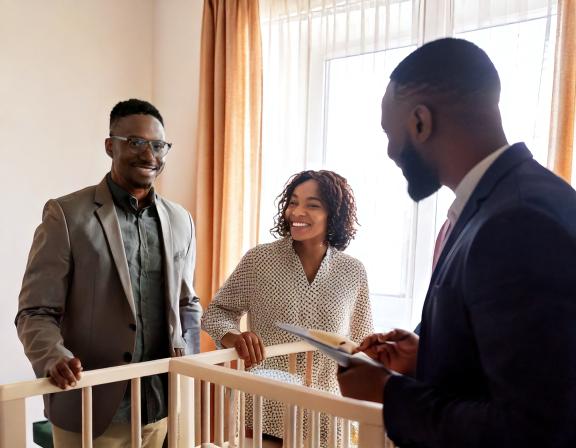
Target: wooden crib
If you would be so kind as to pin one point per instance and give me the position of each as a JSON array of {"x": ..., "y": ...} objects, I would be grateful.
[{"x": 207, "y": 403}]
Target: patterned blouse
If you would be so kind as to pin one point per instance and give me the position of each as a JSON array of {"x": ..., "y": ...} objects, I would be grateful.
[{"x": 271, "y": 286}]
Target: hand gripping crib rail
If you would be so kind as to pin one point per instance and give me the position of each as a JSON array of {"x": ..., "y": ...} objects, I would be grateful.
[{"x": 189, "y": 413}]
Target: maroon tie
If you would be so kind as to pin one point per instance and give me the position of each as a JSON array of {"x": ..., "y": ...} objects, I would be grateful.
[{"x": 440, "y": 240}]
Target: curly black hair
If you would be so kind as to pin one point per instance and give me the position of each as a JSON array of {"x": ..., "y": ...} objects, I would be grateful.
[
  {"x": 133, "y": 106},
  {"x": 338, "y": 198}
]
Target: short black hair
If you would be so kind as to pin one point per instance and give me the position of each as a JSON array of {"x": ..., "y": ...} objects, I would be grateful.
[
  {"x": 448, "y": 66},
  {"x": 133, "y": 106},
  {"x": 337, "y": 196}
]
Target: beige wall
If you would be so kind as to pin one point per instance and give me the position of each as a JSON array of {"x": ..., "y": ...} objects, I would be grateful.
[
  {"x": 176, "y": 78},
  {"x": 63, "y": 65}
]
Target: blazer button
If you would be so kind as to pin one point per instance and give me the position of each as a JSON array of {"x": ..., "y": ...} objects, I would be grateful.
[
  {"x": 127, "y": 356},
  {"x": 132, "y": 327}
]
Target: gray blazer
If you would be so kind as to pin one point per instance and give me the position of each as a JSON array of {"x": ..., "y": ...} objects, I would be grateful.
[{"x": 76, "y": 298}]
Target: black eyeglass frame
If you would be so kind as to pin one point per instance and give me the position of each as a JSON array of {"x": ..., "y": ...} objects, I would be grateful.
[{"x": 137, "y": 145}]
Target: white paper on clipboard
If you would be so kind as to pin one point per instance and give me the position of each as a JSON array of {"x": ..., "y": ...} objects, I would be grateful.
[{"x": 343, "y": 358}]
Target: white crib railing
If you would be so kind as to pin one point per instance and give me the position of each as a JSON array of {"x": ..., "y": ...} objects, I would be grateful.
[{"x": 189, "y": 414}]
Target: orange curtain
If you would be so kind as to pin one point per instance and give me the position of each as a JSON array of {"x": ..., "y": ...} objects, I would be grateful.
[
  {"x": 564, "y": 98},
  {"x": 229, "y": 141}
]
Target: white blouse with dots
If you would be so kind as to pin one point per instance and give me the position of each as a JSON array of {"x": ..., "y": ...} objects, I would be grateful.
[{"x": 271, "y": 286}]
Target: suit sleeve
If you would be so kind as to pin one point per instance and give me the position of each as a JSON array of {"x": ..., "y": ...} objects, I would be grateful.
[
  {"x": 519, "y": 295},
  {"x": 42, "y": 301},
  {"x": 190, "y": 308}
]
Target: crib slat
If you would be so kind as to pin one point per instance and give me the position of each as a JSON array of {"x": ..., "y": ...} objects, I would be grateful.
[
  {"x": 257, "y": 421},
  {"x": 299, "y": 427},
  {"x": 173, "y": 405},
  {"x": 345, "y": 433},
  {"x": 205, "y": 412},
  {"x": 242, "y": 424},
  {"x": 333, "y": 433},
  {"x": 218, "y": 415},
  {"x": 197, "y": 412},
  {"x": 135, "y": 404},
  {"x": 315, "y": 429},
  {"x": 87, "y": 417},
  {"x": 12, "y": 422},
  {"x": 226, "y": 411},
  {"x": 186, "y": 419},
  {"x": 309, "y": 367},
  {"x": 290, "y": 427},
  {"x": 232, "y": 417}
]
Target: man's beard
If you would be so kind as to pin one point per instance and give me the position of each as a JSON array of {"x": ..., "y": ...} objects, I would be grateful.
[{"x": 422, "y": 179}]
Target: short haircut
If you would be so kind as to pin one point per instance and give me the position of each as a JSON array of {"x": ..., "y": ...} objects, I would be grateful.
[
  {"x": 337, "y": 197},
  {"x": 448, "y": 66},
  {"x": 133, "y": 106}
]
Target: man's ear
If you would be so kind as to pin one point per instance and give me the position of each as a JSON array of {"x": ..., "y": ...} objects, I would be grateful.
[
  {"x": 420, "y": 123},
  {"x": 108, "y": 146}
]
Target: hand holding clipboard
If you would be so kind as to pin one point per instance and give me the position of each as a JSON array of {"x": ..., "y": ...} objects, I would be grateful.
[{"x": 336, "y": 347}]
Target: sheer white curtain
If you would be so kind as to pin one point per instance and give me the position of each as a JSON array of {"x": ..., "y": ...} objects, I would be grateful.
[
  {"x": 325, "y": 72},
  {"x": 520, "y": 37},
  {"x": 326, "y": 65}
]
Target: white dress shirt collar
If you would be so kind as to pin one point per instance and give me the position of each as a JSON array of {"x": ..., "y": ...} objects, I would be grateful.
[{"x": 467, "y": 185}]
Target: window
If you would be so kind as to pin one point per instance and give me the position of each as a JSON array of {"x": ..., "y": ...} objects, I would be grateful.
[
  {"x": 326, "y": 70},
  {"x": 356, "y": 148}
]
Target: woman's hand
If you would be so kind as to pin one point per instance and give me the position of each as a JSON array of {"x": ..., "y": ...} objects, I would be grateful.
[{"x": 249, "y": 346}]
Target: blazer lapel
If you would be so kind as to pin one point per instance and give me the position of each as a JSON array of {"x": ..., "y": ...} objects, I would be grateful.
[
  {"x": 509, "y": 159},
  {"x": 107, "y": 215}
]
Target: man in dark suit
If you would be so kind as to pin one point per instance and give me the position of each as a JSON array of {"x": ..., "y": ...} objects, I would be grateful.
[
  {"x": 495, "y": 362},
  {"x": 109, "y": 281}
]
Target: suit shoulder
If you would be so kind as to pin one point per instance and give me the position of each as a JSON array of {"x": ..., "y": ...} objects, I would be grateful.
[
  {"x": 85, "y": 194},
  {"x": 172, "y": 206},
  {"x": 522, "y": 213},
  {"x": 533, "y": 189},
  {"x": 175, "y": 210},
  {"x": 517, "y": 246},
  {"x": 522, "y": 225},
  {"x": 535, "y": 181},
  {"x": 76, "y": 205}
]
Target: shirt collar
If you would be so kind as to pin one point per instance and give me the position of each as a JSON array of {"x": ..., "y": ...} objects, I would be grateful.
[
  {"x": 467, "y": 185},
  {"x": 289, "y": 246},
  {"x": 124, "y": 199}
]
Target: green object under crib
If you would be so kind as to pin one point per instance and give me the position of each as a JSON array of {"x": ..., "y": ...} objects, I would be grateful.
[{"x": 42, "y": 434}]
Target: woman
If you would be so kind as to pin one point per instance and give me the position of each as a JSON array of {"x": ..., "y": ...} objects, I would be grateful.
[{"x": 303, "y": 278}]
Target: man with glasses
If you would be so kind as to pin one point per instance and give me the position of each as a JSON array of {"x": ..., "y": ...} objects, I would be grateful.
[{"x": 109, "y": 282}]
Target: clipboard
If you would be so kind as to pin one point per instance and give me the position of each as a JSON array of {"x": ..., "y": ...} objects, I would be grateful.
[{"x": 343, "y": 358}]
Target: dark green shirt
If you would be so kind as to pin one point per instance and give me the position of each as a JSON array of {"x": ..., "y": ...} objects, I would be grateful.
[{"x": 141, "y": 235}]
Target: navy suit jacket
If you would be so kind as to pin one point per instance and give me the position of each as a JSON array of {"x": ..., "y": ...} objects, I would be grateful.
[{"x": 497, "y": 355}]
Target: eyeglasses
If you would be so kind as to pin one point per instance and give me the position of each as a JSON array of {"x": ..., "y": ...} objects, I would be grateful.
[{"x": 138, "y": 145}]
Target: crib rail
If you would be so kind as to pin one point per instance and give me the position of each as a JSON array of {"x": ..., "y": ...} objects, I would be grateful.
[{"x": 189, "y": 405}]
